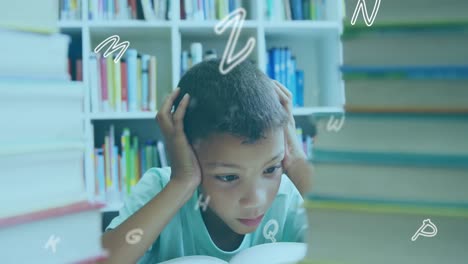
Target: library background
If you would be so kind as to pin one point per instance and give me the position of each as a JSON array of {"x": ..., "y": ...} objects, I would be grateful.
[{"x": 79, "y": 128}]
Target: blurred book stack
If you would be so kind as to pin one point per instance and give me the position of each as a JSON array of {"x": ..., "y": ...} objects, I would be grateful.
[
  {"x": 396, "y": 164},
  {"x": 46, "y": 216}
]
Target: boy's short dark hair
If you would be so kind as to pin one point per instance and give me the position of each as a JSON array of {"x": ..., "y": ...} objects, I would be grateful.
[{"x": 242, "y": 102}]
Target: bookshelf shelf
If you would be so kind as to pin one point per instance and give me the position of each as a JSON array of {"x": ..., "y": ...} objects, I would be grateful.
[
  {"x": 129, "y": 24},
  {"x": 118, "y": 116},
  {"x": 316, "y": 45},
  {"x": 298, "y": 111}
]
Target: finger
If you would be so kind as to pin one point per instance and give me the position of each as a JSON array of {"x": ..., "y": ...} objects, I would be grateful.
[
  {"x": 178, "y": 116},
  {"x": 164, "y": 115},
  {"x": 169, "y": 101},
  {"x": 284, "y": 99},
  {"x": 284, "y": 89}
]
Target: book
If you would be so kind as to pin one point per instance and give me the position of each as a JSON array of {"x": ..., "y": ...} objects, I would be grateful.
[
  {"x": 376, "y": 179},
  {"x": 153, "y": 80},
  {"x": 18, "y": 97},
  {"x": 50, "y": 187},
  {"x": 49, "y": 55},
  {"x": 411, "y": 47},
  {"x": 39, "y": 17},
  {"x": 378, "y": 231},
  {"x": 278, "y": 252},
  {"x": 36, "y": 230},
  {"x": 413, "y": 72},
  {"x": 402, "y": 95},
  {"x": 440, "y": 134},
  {"x": 95, "y": 82},
  {"x": 403, "y": 12},
  {"x": 132, "y": 79}
]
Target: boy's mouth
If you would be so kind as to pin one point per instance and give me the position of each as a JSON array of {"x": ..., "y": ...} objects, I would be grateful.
[{"x": 251, "y": 221}]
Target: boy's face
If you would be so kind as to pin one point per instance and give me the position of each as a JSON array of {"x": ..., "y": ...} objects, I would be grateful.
[{"x": 242, "y": 180}]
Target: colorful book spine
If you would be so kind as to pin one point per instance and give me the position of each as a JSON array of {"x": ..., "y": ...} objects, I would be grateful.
[
  {"x": 110, "y": 82},
  {"x": 132, "y": 79},
  {"x": 117, "y": 86},
  {"x": 300, "y": 87},
  {"x": 153, "y": 77},
  {"x": 144, "y": 81},
  {"x": 104, "y": 89},
  {"x": 124, "y": 85}
]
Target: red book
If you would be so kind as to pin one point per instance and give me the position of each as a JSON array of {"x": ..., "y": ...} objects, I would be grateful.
[
  {"x": 79, "y": 70},
  {"x": 182, "y": 10},
  {"x": 67, "y": 225},
  {"x": 124, "y": 79},
  {"x": 133, "y": 7},
  {"x": 103, "y": 74}
]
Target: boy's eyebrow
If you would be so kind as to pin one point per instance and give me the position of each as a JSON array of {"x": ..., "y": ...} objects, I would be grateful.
[{"x": 230, "y": 165}]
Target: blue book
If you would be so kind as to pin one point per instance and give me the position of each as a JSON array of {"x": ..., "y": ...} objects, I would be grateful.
[
  {"x": 300, "y": 87},
  {"x": 206, "y": 9},
  {"x": 293, "y": 86},
  {"x": 283, "y": 72},
  {"x": 111, "y": 9},
  {"x": 232, "y": 5},
  {"x": 288, "y": 60},
  {"x": 144, "y": 81},
  {"x": 276, "y": 64},
  {"x": 296, "y": 8},
  {"x": 407, "y": 72},
  {"x": 143, "y": 165},
  {"x": 132, "y": 79}
]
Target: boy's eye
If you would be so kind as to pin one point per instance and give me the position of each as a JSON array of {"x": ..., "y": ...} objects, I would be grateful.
[
  {"x": 272, "y": 169},
  {"x": 227, "y": 178}
]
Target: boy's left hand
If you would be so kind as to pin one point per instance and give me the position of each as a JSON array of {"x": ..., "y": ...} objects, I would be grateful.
[{"x": 293, "y": 149}]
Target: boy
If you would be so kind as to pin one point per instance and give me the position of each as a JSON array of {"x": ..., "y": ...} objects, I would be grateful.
[{"x": 229, "y": 139}]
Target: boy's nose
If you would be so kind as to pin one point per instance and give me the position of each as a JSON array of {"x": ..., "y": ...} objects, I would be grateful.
[{"x": 255, "y": 197}]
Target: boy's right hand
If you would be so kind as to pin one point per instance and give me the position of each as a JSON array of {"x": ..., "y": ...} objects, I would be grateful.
[{"x": 185, "y": 168}]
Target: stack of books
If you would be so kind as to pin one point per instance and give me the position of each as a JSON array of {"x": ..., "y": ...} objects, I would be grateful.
[
  {"x": 129, "y": 9},
  {"x": 118, "y": 167},
  {"x": 46, "y": 216},
  {"x": 125, "y": 85},
  {"x": 200, "y": 10},
  {"x": 390, "y": 183},
  {"x": 281, "y": 10}
]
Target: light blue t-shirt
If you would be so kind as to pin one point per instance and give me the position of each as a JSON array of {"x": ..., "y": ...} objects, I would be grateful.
[{"x": 186, "y": 233}]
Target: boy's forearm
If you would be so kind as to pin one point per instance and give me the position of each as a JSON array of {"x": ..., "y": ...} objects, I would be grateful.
[
  {"x": 300, "y": 173},
  {"x": 151, "y": 219}
]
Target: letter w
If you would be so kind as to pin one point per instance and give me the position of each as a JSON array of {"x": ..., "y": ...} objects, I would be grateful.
[
  {"x": 113, "y": 47},
  {"x": 361, "y": 5}
]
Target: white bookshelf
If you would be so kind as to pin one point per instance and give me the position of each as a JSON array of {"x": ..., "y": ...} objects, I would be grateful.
[{"x": 316, "y": 45}]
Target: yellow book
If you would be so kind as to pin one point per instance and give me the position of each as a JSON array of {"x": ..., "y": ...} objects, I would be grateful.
[
  {"x": 110, "y": 82},
  {"x": 107, "y": 162}
]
